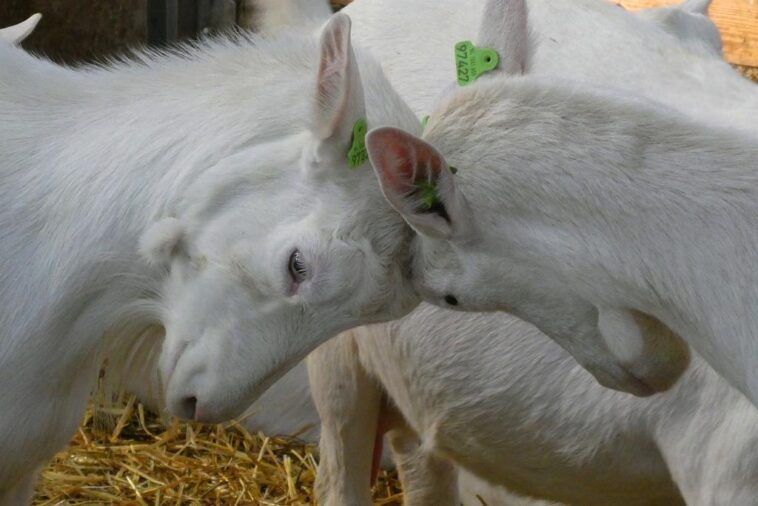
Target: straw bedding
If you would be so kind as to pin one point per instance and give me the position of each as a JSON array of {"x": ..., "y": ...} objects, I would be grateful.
[
  {"x": 141, "y": 461},
  {"x": 749, "y": 72}
]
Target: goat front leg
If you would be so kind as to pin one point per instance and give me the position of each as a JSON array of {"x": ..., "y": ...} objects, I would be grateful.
[
  {"x": 348, "y": 402},
  {"x": 428, "y": 479},
  {"x": 21, "y": 493}
]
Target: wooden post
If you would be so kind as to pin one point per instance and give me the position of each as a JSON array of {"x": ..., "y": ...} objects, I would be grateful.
[
  {"x": 162, "y": 21},
  {"x": 171, "y": 20}
]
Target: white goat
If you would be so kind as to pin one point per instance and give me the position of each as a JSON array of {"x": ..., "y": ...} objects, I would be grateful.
[
  {"x": 692, "y": 33},
  {"x": 464, "y": 401},
  {"x": 568, "y": 52},
  {"x": 592, "y": 206},
  {"x": 636, "y": 58},
  {"x": 224, "y": 165},
  {"x": 491, "y": 394},
  {"x": 285, "y": 408}
]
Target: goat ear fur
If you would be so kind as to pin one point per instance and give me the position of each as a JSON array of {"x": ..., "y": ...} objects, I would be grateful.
[
  {"x": 696, "y": 6},
  {"x": 339, "y": 92},
  {"x": 505, "y": 29},
  {"x": 417, "y": 182}
]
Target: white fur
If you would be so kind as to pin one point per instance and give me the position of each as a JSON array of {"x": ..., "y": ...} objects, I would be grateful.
[
  {"x": 491, "y": 394},
  {"x": 697, "y": 84},
  {"x": 601, "y": 44},
  {"x": 579, "y": 196},
  {"x": 636, "y": 58},
  {"x": 425, "y": 19},
  {"x": 217, "y": 140},
  {"x": 16, "y": 34},
  {"x": 691, "y": 24}
]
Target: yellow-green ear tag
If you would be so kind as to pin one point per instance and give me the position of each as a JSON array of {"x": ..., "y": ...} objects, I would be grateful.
[
  {"x": 471, "y": 61},
  {"x": 427, "y": 194},
  {"x": 357, "y": 154}
]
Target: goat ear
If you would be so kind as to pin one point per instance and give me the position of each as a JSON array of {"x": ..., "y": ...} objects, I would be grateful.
[
  {"x": 696, "y": 6},
  {"x": 17, "y": 33},
  {"x": 417, "y": 182},
  {"x": 162, "y": 241},
  {"x": 505, "y": 29},
  {"x": 339, "y": 92}
]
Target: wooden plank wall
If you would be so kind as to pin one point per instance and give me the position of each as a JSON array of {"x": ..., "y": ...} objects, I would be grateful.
[
  {"x": 737, "y": 21},
  {"x": 72, "y": 31}
]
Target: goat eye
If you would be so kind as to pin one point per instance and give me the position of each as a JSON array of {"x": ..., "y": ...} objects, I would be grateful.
[{"x": 298, "y": 269}]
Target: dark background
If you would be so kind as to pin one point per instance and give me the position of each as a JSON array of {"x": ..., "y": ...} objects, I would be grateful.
[
  {"x": 80, "y": 30},
  {"x": 76, "y": 31}
]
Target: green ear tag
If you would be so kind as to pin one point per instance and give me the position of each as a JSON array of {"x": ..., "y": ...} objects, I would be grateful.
[
  {"x": 471, "y": 61},
  {"x": 424, "y": 121},
  {"x": 427, "y": 194},
  {"x": 357, "y": 154}
]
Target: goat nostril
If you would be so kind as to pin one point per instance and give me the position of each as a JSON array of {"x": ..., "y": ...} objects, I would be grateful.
[
  {"x": 189, "y": 407},
  {"x": 451, "y": 300}
]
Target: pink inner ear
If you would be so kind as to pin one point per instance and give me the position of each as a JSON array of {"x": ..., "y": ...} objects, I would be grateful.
[
  {"x": 402, "y": 160},
  {"x": 399, "y": 168},
  {"x": 332, "y": 81},
  {"x": 333, "y": 63}
]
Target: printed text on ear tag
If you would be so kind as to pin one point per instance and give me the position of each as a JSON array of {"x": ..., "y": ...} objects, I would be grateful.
[
  {"x": 471, "y": 61},
  {"x": 357, "y": 154}
]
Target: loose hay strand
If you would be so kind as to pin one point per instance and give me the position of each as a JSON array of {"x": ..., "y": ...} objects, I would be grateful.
[{"x": 141, "y": 461}]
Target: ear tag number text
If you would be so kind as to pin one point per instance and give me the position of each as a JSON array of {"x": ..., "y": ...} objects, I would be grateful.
[{"x": 471, "y": 61}]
